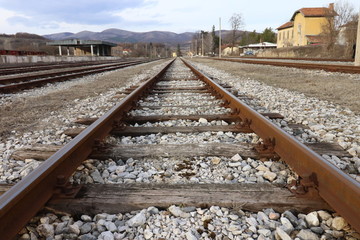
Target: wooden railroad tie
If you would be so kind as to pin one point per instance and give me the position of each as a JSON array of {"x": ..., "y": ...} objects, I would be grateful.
[
  {"x": 42, "y": 152},
  {"x": 115, "y": 198}
]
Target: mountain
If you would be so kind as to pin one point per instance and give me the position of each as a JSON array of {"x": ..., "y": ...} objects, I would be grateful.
[
  {"x": 58, "y": 36},
  {"x": 118, "y": 35}
]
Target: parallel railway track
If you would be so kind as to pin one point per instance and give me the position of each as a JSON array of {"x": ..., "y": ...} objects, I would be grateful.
[
  {"x": 26, "y": 68},
  {"x": 19, "y": 82},
  {"x": 148, "y": 103},
  {"x": 303, "y": 59},
  {"x": 302, "y": 65}
]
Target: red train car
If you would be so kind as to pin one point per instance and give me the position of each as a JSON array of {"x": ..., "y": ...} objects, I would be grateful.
[{"x": 20, "y": 53}]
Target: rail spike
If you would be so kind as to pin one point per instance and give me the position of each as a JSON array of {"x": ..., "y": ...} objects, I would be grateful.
[
  {"x": 246, "y": 123},
  {"x": 225, "y": 103},
  {"x": 99, "y": 146},
  {"x": 64, "y": 189},
  {"x": 118, "y": 124},
  {"x": 306, "y": 186},
  {"x": 235, "y": 111},
  {"x": 267, "y": 146}
]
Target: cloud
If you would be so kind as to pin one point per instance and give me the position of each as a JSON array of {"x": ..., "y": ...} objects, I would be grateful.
[
  {"x": 49, "y": 16},
  {"x": 89, "y": 12}
]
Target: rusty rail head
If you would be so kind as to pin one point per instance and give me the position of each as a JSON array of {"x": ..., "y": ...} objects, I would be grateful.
[
  {"x": 296, "y": 58},
  {"x": 19, "y": 204},
  {"x": 325, "y": 67},
  {"x": 338, "y": 189}
]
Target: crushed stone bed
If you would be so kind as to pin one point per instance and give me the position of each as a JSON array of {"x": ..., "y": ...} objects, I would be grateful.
[
  {"x": 191, "y": 223},
  {"x": 178, "y": 222}
]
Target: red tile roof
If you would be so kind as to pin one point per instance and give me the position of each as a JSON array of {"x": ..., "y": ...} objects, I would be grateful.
[
  {"x": 310, "y": 12},
  {"x": 315, "y": 12},
  {"x": 286, "y": 25}
]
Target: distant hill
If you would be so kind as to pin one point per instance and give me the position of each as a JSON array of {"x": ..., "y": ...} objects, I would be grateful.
[
  {"x": 25, "y": 42},
  {"x": 118, "y": 35}
]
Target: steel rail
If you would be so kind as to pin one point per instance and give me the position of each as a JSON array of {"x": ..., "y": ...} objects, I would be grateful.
[
  {"x": 299, "y": 58},
  {"x": 55, "y": 77},
  {"x": 23, "y": 78},
  {"x": 40, "y": 67},
  {"x": 20, "y": 203},
  {"x": 325, "y": 67},
  {"x": 338, "y": 189}
]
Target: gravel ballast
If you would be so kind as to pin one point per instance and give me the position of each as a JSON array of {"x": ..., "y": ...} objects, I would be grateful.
[
  {"x": 179, "y": 222},
  {"x": 327, "y": 121}
]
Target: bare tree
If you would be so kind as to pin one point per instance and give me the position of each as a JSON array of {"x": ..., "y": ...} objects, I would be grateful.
[
  {"x": 347, "y": 37},
  {"x": 337, "y": 16},
  {"x": 237, "y": 23},
  {"x": 345, "y": 13},
  {"x": 196, "y": 43}
]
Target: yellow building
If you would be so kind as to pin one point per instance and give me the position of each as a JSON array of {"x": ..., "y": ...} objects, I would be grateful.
[{"x": 304, "y": 27}]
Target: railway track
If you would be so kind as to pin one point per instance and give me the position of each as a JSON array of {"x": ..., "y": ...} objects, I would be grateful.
[
  {"x": 20, "y": 81},
  {"x": 302, "y": 59},
  {"x": 302, "y": 65},
  {"x": 178, "y": 102},
  {"x": 26, "y": 68}
]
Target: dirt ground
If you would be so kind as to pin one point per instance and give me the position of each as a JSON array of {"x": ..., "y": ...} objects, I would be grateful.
[
  {"x": 342, "y": 89},
  {"x": 26, "y": 112}
]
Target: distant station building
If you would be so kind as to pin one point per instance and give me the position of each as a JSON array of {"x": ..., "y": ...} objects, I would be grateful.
[
  {"x": 84, "y": 47},
  {"x": 252, "y": 49}
]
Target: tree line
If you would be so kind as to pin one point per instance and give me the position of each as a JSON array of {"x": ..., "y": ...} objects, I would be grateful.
[{"x": 207, "y": 43}]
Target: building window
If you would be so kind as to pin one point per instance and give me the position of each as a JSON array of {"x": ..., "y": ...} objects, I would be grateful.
[
  {"x": 299, "y": 29},
  {"x": 287, "y": 34}
]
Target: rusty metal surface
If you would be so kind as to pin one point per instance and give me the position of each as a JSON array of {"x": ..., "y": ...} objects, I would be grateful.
[
  {"x": 325, "y": 67},
  {"x": 28, "y": 196},
  {"x": 337, "y": 188}
]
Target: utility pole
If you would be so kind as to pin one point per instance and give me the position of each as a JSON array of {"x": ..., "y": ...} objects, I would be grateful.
[
  {"x": 357, "y": 50},
  {"x": 202, "y": 43},
  {"x": 219, "y": 37}
]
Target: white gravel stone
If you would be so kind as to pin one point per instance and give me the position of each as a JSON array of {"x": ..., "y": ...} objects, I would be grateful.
[
  {"x": 307, "y": 234},
  {"x": 323, "y": 215},
  {"x": 190, "y": 235},
  {"x": 148, "y": 234},
  {"x": 236, "y": 158},
  {"x": 338, "y": 223},
  {"x": 106, "y": 236},
  {"x": 46, "y": 230},
  {"x": 270, "y": 176},
  {"x": 138, "y": 220},
  {"x": 286, "y": 225},
  {"x": 282, "y": 234},
  {"x": 203, "y": 121},
  {"x": 264, "y": 232},
  {"x": 312, "y": 219},
  {"x": 177, "y": 212}
]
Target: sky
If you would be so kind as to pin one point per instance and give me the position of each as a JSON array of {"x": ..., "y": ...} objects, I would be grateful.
[{"x": 50, "y": 16}]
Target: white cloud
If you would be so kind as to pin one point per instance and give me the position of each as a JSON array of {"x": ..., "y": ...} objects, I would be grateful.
[
  {"x": 145, "y": 15},
  {"x": 4, "y": 24}
]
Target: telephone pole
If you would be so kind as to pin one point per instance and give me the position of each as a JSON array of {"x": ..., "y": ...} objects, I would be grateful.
[
  {"x": 219, "y": 37},
  {"x": 202, "y": 43},
  {"x": 357, "y": 50}
]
